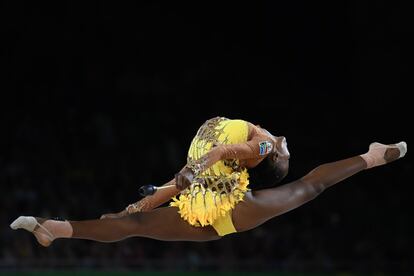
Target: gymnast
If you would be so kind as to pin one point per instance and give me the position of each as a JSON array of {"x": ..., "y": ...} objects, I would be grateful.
[{"x": 210, "y": 196}]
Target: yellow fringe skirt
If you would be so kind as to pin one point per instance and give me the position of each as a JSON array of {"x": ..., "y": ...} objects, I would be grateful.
[{"x": 201, "y": 206}]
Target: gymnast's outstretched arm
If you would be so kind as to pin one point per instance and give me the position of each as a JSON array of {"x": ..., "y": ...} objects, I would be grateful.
[{"x": 148, "y": 203}]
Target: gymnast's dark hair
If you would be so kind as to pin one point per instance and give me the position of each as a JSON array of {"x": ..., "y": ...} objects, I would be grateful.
[{"x": 265, "y": 175}]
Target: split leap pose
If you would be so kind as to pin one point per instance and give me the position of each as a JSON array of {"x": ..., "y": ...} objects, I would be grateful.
[{"x": 213, "y": 194}]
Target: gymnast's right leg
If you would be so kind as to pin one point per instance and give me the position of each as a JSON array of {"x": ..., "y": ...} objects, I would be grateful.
[{"x": 262, "y": 205}]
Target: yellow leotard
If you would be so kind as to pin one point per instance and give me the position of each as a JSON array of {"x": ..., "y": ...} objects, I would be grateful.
[{"x": 213, "y": 194}]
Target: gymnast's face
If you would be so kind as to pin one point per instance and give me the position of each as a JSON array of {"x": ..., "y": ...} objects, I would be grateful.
[{"x": 279, "y": 158}]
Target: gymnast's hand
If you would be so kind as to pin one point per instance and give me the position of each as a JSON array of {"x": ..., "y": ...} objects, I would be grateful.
[{"x": 184, "y": 178}]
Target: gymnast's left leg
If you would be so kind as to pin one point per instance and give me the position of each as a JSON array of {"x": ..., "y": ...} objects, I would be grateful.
[
  {"x": 260, "y": 206},
  {"x": 161, "y": 224}
]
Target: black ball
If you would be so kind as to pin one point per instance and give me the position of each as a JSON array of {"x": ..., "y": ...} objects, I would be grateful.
[{"x": 147, "y": 190}]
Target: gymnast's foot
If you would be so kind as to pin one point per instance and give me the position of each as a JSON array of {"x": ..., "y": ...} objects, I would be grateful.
[
  {"x": 380, "y": 154},
  {"x": 45, "y": 230}
]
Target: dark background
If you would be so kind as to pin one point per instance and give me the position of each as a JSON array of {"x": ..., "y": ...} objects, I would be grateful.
[{"x": 101, "y": 98}]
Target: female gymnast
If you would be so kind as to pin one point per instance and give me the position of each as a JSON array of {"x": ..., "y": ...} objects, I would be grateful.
[{"x": 213, "y": 194}]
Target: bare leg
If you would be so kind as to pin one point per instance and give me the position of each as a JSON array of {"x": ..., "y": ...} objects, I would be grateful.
[
  {"x": 161, "y": 224},
  {"x": 263, "y": 205}
]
